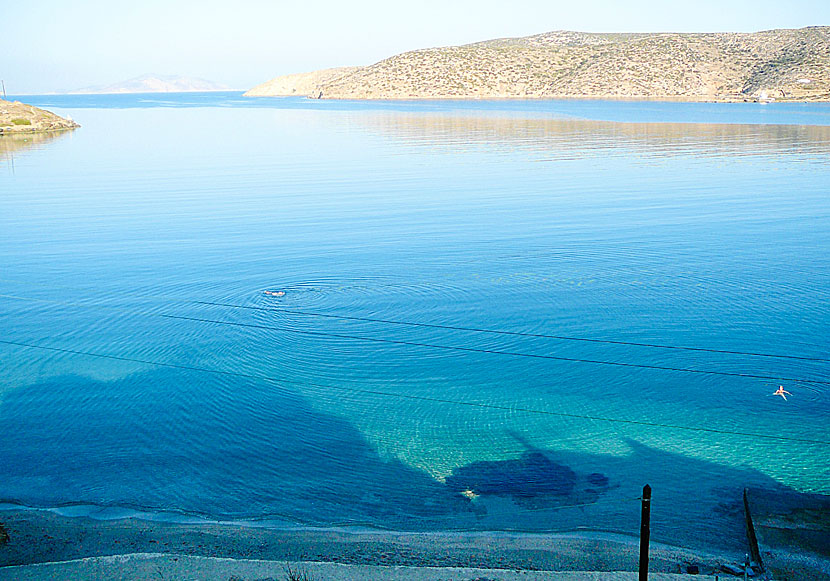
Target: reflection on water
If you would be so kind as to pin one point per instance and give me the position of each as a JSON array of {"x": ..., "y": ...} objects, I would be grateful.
[
  {"x": 566, "y": 138},
  {"x": 614, "y": 110},
  {"x": 16, "y": 143}
]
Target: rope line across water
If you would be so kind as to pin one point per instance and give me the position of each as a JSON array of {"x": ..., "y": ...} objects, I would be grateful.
[
  {"x": 513, "y": 409},
  {"x": 512, "y": 333},
  {"x": 432, "y": 326},
  {"x": 498, "y": 352},
  {"x": 458, "y": 348}
]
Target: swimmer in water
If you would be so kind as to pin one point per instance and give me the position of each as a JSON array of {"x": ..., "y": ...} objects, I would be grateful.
[
  {"x": 274, "y": 293},
  {"x": 782, "y": 392}
]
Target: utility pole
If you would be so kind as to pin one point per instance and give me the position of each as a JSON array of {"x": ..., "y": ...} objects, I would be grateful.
[
  {"x": 645, "y": 521},
  {"x": 4, "y": 88}
]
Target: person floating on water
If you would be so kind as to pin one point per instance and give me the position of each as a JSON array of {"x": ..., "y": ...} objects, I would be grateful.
[
  {"x": 271, "y": 293},
  {"x": 781, "y": 391}
]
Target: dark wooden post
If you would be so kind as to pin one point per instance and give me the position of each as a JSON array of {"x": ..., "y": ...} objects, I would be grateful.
[
  {"x": 645, "y": 520},
  {"x": 4, "y": 536},
  {"x": 754, "y": 550}
]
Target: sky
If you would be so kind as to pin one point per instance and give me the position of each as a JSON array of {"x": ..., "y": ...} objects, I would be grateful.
[{"x": 61, "y": 45}]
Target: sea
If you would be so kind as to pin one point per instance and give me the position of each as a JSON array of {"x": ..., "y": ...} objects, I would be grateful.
[{"x": 481, "y": 315}]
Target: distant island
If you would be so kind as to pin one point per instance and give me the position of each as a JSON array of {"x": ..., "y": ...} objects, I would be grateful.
[
  {"x": 786, "y": 64},
  {"x": 154, "y": 84},
  {"x": 17, "y": 117}
]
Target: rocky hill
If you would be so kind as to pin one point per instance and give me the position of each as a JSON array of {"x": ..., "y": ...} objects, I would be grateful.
[
  {"x": 17, "y": 117},
  {"x": 302, "y": 84},
  {"x": 775, "y": 64}
]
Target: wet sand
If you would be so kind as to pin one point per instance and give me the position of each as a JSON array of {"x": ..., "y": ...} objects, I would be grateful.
[
  {"x": 793, "y": 532},
  {"x": 155, "y": 566},
  {"x": 41, "y": 536}
]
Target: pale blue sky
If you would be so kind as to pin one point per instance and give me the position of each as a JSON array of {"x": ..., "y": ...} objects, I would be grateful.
[{"x": 58, "y": 45}]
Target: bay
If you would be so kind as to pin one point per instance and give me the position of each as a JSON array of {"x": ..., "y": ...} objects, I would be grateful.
[{"x": 144, "y": 367}]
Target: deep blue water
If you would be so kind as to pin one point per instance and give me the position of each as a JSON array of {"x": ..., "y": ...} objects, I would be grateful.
[{"x": 673, "y": 224}]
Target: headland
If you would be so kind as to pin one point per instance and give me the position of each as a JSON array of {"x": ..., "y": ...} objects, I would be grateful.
[
  {"x": 772, "y": 65},
  {"x": 17, "y": 117}
]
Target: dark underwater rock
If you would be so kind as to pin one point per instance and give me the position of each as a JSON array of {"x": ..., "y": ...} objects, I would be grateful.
[{"x": 530, "y": 476}]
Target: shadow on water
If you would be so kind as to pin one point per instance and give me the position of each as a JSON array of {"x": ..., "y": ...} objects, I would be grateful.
[
  {"x": 172, "y": 441},
  {"x": 169, "y": 441},
  {"x": 533, "y": 480},
  {"x": 696, "y": 503},
  {"x": 784, "y": 519}
]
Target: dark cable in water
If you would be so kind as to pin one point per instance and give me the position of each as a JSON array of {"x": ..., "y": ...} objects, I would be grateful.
[
  {"x": 514, "y": 333},
  {"x": 497, "y": 352},
  {"x": 446, "y": 347},
  {"x": 441, "y": 326},
  {"x": 276, "y": 381}
]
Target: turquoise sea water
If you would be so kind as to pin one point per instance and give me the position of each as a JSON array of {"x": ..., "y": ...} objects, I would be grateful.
[{"x": 670, "y": 224}]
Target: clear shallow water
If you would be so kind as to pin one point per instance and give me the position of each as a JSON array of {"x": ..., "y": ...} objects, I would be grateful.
[{"x": 631, "y": 222}]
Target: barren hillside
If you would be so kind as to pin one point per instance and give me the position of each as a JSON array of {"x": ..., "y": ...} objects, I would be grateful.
[
  {"x": 17, "y": 117},
  {"x": 302, "y": 84},
  {"x": 780, "y": 64}
]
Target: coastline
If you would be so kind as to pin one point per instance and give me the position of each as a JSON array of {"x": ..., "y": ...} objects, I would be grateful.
[
  {"x": 168, "y": 566},
  {"x": 18, "y": 118},
  {"x": 646, "y": 99},
  {"x": 41, "y": 536},
  {"x": 376, "y": 534},
  {"x": 709, "y": 67},
  {"x": 46, "y": 545}
]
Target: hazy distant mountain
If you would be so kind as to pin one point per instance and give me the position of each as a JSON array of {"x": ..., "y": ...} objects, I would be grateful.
[
  {"x": 773, "y": 64},
  {"x": 156, "y": 84}
]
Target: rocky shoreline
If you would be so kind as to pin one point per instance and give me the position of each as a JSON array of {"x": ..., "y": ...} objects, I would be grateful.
[{"x": 17, "y": 117}]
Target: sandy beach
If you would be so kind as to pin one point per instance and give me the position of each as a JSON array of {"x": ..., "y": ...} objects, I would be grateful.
[
  {"x": 42, "y": 537},
  {"x": 161, "y": 566},
  {"x": 45, "y": 545}
]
